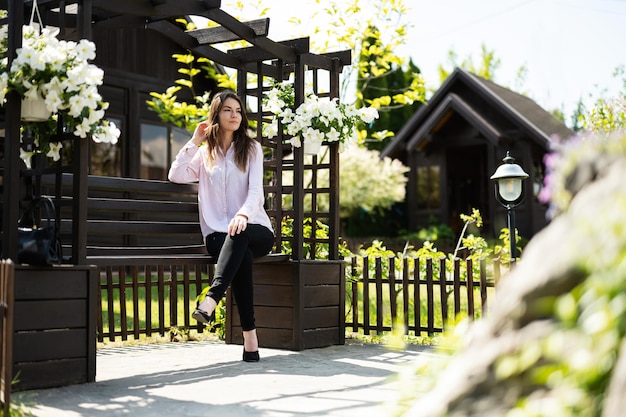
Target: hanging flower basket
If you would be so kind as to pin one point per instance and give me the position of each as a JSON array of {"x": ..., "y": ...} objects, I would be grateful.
[
  {"x": 35, "y": 110},
  {"x": 311, "y": 148}
]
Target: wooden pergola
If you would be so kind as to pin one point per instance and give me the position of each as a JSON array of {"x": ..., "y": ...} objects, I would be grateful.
[{"x": 256, "y": 66}]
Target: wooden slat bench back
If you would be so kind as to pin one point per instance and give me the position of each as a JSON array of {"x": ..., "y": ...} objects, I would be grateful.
[{"x": 134, "y": 221}]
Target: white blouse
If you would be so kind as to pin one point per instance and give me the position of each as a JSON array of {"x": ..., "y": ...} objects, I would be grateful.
[{"x": 224, "y": 191}]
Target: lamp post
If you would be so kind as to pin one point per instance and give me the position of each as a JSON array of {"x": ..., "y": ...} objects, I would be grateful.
[{"x": 509, "y": 193}]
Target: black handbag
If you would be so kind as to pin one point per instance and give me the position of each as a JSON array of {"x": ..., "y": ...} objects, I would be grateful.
[{"x": 39, "y": 244}]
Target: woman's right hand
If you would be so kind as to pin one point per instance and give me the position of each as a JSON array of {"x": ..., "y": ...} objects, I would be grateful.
[{"x": 199, "y": 135}]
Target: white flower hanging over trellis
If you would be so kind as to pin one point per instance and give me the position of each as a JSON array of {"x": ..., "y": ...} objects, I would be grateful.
[{"x": 315, "y": 120}]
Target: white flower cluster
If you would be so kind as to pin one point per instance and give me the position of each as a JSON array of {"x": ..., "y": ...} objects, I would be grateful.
[
  {"x": 315, "y": 120},
  {"x": 369, "y": 182},
  {"x": 59, "y": 71}
]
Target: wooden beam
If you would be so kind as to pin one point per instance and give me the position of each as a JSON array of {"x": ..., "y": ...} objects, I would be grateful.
[
  {"x": 254, "y": 53},
  {"x": 172, "y": 32},
  {"x": 344, "y": 57},
  {"x": 221, "y": 34},
  {"x": 278, "y": 51},
  {"x": 179, "y": 36},
  {"x": 183, "y": 39},
  {"x": 325, "y": 61}
]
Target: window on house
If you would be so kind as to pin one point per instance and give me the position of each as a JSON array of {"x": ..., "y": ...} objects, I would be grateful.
[
  {"x": 105, "y": 157},
  {"x": 179, "y": 138},
  {"x": 539, "y": 175},
  {"x": 159, "y": 146},
  {"x": 428, "y": 187}
]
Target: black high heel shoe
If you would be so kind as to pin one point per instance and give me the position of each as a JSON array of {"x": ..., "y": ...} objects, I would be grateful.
[
  {"x": 201, "y": 316},
  {"x": 250, "y": 356}
]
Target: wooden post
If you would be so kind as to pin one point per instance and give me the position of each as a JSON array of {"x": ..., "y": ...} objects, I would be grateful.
[
  {"x": 298, "y": 171},
  {"x": 333, "y": 220},
  {"x": 6, "y": 333},
  {"x": 81, "y": 161},
  {"x": 11, "y": 183}
]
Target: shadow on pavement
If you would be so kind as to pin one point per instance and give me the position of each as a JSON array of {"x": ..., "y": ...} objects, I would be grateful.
[{"x": 209, "y": 378}]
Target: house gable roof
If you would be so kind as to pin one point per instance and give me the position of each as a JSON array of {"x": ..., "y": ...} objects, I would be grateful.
[
  {"x": 535, "y": 122},
  {"x": 453, "y": 102}
]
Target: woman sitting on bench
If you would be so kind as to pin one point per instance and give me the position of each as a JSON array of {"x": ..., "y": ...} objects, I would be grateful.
[{"x": 228, "y": 165}]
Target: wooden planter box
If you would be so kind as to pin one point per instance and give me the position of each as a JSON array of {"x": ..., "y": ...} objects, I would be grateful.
[
  {"x": 54, "y": 339},
  {"x": 298, "y": 305}
]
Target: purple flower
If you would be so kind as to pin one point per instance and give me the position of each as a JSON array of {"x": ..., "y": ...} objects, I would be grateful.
[{"x": 546, "y": 191}]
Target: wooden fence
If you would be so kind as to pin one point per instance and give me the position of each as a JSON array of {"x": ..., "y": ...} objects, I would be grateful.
[
  {"x": 149, "y": 299},
  {"x": 416, "y": 293},
  {"x": 152, "y": 299}
]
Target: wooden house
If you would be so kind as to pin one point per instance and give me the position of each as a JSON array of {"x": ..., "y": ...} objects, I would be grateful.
[{"x": 455, "y": 142}]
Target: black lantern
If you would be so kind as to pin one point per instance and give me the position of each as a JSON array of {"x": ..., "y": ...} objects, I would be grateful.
[{"x": 510, "y": 192}]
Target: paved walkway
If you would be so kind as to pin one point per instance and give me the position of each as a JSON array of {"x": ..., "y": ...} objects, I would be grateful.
[{"x": 210, "y": 379}]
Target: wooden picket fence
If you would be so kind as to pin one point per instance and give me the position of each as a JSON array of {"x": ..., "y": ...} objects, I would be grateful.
[
  {"x": 417, "y": 294},
  {"x": 149, "y": 299},
  {"x": 145, "y": 300}
]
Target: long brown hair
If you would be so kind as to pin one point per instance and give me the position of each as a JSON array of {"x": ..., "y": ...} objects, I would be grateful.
[{"x": 242, "y": 142}]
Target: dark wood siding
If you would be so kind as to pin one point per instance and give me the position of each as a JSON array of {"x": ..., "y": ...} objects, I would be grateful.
[{"x": 137, "y": 51}]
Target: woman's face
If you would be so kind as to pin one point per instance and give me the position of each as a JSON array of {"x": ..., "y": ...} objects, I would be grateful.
[{"x": 229, "y": 117}]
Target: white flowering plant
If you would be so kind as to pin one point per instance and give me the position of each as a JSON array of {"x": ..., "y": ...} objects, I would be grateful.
[
  {"x": 316, "y": 120},
  {"x": 369, "y": 182},
  {"x": 59, "y": 72}
]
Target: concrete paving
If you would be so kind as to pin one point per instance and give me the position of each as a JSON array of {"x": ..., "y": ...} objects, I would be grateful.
[{"x": 209, "y": 378}]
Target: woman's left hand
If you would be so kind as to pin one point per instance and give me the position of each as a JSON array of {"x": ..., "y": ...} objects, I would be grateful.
[{"x": 237, "y": 225}]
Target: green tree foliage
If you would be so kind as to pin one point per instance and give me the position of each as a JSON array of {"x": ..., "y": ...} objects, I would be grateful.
[
  {"x": 397, "y": 92},
  {"x": 577, "y": 117},
  {"x": 608, "y": 114}
]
